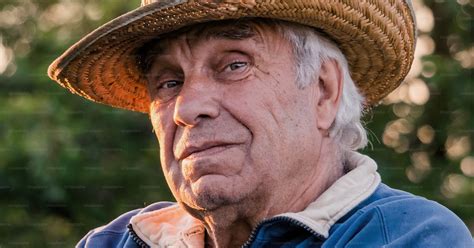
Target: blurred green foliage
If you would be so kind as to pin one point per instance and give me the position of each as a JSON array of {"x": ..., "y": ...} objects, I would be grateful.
[{"x": 68, "y": 165}]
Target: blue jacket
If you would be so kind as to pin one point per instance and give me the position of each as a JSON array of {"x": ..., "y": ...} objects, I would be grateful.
[{"x": 356, "y": 211}]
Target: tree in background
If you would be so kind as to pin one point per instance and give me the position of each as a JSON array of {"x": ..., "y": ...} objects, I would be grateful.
[{"x": 68, "y": 165}]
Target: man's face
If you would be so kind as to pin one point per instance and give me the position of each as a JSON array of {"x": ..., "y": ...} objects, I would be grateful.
[{"x": 231, "y": 122}]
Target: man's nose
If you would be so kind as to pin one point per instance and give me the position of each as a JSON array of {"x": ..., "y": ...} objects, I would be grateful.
[{"x": 197, "y": 100}]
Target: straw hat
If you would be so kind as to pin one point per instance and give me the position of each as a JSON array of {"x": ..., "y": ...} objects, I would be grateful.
[{"x": 376, "y": 36}]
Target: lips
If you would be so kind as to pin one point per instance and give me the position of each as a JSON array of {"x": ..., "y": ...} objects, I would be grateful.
[{"x": 207, "y": 148}]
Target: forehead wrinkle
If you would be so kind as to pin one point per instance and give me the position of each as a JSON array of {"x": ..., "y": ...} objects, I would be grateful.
[
  {"x": 255, "y": 31},
  {"x": 213, "y": 31},
  {"x": 187, "y": 45},
  {"x": 182, "y": 45},
  {"x": 163, "y": 49}
]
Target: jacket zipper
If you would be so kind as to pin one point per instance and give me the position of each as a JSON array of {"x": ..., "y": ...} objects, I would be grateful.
[
  {"x": 276, "y": 219},
  {"x": 135, "y": 237}
]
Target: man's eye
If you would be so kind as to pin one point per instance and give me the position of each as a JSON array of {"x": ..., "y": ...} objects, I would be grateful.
[
  {"x": 237, "y": 65},
  {"x": 170, "y": 84}
]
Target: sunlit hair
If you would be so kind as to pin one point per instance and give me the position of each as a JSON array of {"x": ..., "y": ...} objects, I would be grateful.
[{"x": 311, "y": 49}]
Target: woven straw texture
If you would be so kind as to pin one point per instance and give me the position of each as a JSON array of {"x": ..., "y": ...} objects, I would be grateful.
[{"x": 377, "y": 37}]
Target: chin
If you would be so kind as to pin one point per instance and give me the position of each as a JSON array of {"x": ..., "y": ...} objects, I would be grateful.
[{"x": 209, "y": 194}]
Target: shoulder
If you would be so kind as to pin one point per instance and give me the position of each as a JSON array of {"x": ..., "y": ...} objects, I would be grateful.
[
  {"x": 399, "y": 218},
  {"x": 409, "y": 219},
  {"x": 115, "y": 233}
]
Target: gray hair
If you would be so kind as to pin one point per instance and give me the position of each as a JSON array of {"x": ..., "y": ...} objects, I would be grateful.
[{"x": 311, "y": 50}]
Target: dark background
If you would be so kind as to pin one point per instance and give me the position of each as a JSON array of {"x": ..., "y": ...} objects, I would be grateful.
[{"x": 68, "y": 165}]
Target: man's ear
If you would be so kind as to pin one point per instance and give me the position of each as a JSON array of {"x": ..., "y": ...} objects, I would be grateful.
[{"x": 330, "y": 90}]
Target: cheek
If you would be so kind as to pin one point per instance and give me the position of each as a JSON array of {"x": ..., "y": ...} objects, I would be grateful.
[
  {"x": 253, "y": 107},
  {"x": 271, "y": 108},
  {"x": 162, "y": 120},
  {"x": 163, "y": 124},
  {"x": 164, "y": 127}
]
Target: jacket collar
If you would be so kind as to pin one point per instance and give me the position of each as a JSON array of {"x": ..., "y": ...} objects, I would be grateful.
[
  {"x": 344, "y": 195},
  {"x": 174, "y": 227},
  {"x": 168, "y": 227}
]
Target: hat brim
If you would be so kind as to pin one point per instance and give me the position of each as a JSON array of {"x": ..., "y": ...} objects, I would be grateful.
[{"x": 377, "y": 38}]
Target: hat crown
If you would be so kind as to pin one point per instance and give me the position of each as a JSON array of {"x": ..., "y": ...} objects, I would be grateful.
[
  {"x": 146, "y": 2},
  {"x": 409, "y": 2}
]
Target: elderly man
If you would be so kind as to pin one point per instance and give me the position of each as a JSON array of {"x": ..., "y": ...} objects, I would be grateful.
[{"x": 257, "y": 107}]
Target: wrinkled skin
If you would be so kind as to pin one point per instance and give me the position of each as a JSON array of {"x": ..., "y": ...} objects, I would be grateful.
[{"x": 239, "y": 141}]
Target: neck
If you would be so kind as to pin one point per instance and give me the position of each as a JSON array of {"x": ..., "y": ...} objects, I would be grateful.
[
  {"x": 230, "y": 226},
  {"x": 312, "y": 180},
  {"x": 233, "y": 235}
]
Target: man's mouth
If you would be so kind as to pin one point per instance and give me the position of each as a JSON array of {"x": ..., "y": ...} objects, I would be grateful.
[{"x": 205, "y": 149}]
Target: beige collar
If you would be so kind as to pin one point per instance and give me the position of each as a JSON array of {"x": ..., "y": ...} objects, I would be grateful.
[
  {"x": 174, "y": 227},
  {"x": 169, "y": 227},
  {"x": 345, "y": 194}
]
